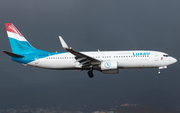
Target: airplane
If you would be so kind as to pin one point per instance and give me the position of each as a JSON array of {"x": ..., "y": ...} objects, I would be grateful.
[{"x": 107, "y": 62}]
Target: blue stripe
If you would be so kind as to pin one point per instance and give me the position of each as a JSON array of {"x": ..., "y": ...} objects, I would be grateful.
[{"x": 22, "y": 47}]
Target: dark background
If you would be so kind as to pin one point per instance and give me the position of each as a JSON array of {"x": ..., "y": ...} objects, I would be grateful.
[{"x": 88, "y": 26}]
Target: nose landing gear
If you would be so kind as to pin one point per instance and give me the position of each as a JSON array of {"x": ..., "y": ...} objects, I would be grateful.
[
  {"x": 159, "y": 72},
  {"x": 162, "y": 67}
]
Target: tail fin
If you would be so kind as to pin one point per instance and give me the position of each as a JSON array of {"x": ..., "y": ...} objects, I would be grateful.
[{"x": 19, "y": 44}]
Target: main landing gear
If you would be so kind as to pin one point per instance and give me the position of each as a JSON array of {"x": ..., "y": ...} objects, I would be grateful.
[{"x": 90, "y": 73}]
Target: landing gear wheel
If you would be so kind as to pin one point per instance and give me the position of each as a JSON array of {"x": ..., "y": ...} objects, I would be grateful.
[{"x": 90, "y": 73}]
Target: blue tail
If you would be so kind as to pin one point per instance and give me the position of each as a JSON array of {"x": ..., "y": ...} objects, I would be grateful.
[{"x": 19, "y": 44}]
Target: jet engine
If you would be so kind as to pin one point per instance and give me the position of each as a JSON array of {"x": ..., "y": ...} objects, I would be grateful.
[{"x": 109, "y": 67}]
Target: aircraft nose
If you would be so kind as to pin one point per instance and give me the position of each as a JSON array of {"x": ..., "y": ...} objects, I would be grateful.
[{"x": 173, "y": 60}]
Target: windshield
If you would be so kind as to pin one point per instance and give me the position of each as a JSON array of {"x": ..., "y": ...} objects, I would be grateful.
[{"x": 166, "y": 55}]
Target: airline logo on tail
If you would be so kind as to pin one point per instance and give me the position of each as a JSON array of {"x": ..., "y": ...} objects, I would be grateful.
[
  {"x": 19, "y": 44},
  {"x": 13, "y": 32}
]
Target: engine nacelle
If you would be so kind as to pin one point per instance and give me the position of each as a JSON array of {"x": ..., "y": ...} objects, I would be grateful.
[{"x": 109, "y": 65}]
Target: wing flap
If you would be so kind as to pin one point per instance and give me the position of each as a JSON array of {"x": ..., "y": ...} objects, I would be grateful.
[{"x": 81, "y": 55}]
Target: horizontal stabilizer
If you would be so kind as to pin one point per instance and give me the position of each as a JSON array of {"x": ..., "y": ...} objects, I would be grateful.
[{"x": 12, "y": 54}]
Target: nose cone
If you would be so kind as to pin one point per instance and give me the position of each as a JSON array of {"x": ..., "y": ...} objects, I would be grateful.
[{"x": 173, "y": 60}]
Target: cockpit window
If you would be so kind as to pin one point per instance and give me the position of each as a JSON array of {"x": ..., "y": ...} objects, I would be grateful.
[{"x": 166, "y": 55}]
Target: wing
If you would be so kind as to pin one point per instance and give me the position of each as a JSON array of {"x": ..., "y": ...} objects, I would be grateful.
[{"x": 83, "y": 59}]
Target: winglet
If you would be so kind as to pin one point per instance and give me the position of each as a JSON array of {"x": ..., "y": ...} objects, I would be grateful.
[{"x": 64, "y": 45}]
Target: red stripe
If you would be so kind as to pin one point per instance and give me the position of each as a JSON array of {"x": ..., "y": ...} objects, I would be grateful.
[{"x": 11, "y": 28}]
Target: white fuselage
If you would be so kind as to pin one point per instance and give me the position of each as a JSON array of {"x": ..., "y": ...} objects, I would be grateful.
[{"x": 125, "y": 59}]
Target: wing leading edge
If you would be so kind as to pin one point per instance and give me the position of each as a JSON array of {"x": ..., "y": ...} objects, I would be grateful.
[{"x": 83, "y": 59}]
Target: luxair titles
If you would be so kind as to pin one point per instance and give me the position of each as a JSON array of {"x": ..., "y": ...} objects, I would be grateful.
[{"x": 141, "y": 54}]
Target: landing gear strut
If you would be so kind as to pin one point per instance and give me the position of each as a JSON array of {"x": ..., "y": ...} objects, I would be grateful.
[
  {"x": 159, "y": 72},
  {"x": 90, "y": 73}
]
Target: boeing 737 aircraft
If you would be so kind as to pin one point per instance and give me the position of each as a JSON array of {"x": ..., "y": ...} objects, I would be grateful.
[{"x": 107, "y": 62}]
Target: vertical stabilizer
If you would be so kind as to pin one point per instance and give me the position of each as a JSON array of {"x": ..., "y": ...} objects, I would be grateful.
[{"x": 19, "y": 44}]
